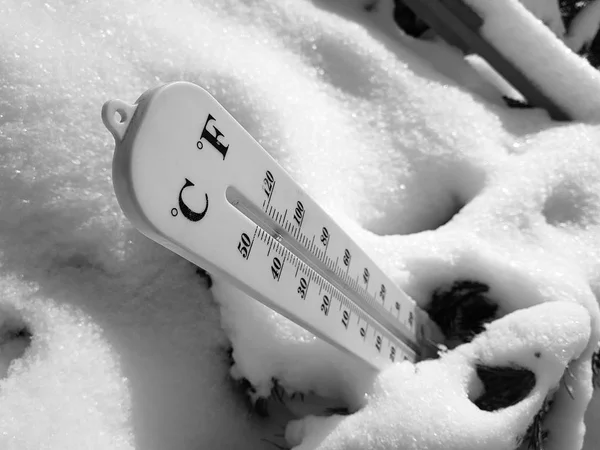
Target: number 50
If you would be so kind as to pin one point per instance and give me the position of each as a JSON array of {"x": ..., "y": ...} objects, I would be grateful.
[{"x": 244, "y": 245}]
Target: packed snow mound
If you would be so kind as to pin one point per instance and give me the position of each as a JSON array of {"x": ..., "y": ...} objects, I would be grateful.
[
  {"x": 67, "y": 363},
  {"x": 110, "y": 341},
  {"x": 524, "y": 340}
]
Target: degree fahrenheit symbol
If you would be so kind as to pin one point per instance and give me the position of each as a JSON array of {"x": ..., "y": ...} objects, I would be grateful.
[
  {"x": 213, "y": 138},
  {"x": 174, "y": 212}
]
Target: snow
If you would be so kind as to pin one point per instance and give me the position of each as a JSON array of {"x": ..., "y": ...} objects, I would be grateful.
[
  {"x": 451, "y": 382},
  {"x": 548, "y": 12},
  {"x": 402, "y": 141},
  {"x": 511, "y": 29}
]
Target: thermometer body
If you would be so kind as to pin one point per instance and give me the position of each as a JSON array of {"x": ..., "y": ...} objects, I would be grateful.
[{"x": 188, "y": 176}]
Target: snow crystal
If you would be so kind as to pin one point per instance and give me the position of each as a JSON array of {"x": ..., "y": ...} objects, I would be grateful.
[{"x": 109, "y": 341}]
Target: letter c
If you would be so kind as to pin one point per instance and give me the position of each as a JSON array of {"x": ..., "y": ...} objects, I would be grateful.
[{"x": 190, "y": 215}]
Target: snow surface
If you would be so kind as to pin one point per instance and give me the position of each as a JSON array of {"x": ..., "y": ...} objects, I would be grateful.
[
  {"x": 402, "y": 141},
  {"x": 563, "y": 76},
  {"x": 450, "y": 383},
  {"x": 548, "y": 12}
]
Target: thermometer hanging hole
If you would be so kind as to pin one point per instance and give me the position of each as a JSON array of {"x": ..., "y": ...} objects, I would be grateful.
[
  {"x": 116, "y": 116},
  {"x": 120, "y": 116}
]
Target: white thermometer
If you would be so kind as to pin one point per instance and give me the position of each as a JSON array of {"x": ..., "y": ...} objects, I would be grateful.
[{"x": 189, "y": 177}]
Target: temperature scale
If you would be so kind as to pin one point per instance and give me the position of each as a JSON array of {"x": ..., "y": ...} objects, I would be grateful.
[{"x": 189, "y": 176}]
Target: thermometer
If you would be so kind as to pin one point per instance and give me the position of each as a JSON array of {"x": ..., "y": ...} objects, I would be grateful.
[{"x": 190, "y": 177}]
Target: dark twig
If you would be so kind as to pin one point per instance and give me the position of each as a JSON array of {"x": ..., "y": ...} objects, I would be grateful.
[
  {"x": 536, "y": 435},
  {"x": 596, "y": 369},
  {"x": 462, "y": 311}
]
